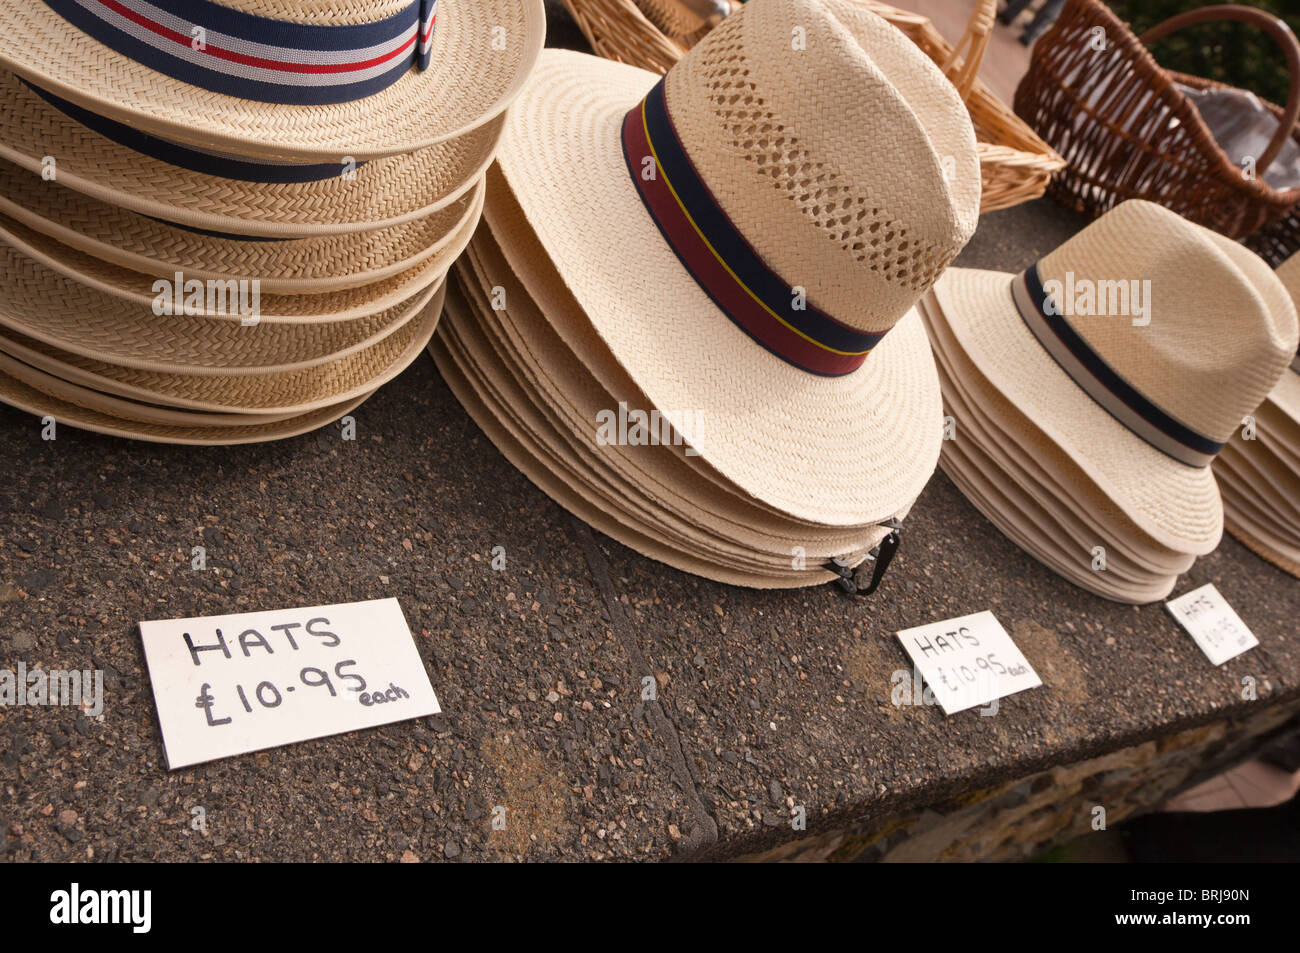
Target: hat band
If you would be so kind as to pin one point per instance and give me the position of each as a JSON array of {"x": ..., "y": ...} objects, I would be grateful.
[
  {"x": 771, "y": 310},
  {"x": 188, "y": 157},
  {"x": 1102, "y": 382},
  {"x": 241, "y": 54}
]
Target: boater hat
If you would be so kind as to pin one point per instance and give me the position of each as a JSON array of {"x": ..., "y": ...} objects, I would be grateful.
[
  {"x": 1136, "y": 347},
  {"x": 123, "y": 166},
  {"x": 748, "y": 236},
  {"x": 281, "y": 79}
]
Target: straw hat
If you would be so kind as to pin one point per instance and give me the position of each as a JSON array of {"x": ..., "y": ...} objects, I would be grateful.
[
  {"x": 213, "y": 410},
  {"x": 283, "y": 79},
  {"x": 124, "y": 166},
  {"x": 798, "y": 340},
  {"x": 1142, "y": 404},
  {"x": 263, "y": 392},
  {"x": 539, "y": 369},
  {"x": 324, "y": 263},
  {"x": 1260, "y": 476}
]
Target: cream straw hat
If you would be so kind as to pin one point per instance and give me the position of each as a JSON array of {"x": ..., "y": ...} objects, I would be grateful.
[
  {"x": 309, "y": 80},
  {"x": 1141, "y": 403},
  {"x": 123, "y": 166},
  {"x": 748, "y": 237},
  {"x": 1260, "y": 477}
]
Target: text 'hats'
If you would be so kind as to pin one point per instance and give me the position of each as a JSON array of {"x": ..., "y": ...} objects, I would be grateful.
[
  {"x": 749, "y": 235},
  {"x": 1137, "y": 346},
  {"x": 291, "y": 79}
]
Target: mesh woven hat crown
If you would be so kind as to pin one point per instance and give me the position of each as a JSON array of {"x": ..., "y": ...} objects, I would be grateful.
[
  {"x": 793, "y": 146},
  {"x": 289, "y": 79},
  {"x": 747, "y": 237}
]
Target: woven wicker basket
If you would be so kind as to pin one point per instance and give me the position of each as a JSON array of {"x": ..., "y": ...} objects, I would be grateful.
[
  {"x": 1015, "y": 164},
  {"x": 1127, "y": 130}
]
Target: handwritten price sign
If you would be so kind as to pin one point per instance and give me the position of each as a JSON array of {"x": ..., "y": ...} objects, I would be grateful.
[
  {"x": 1212, "y": 623},
  {"x": 229, "y": 684}
]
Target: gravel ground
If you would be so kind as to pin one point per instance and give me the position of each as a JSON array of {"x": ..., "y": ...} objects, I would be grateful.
[{"x": 765, "y": 700}]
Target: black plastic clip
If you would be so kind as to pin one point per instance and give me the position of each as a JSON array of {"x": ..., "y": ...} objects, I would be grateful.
[{"x": 882, "y": 556}]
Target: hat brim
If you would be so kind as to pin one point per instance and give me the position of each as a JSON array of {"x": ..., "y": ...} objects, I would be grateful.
[
  {"x": 1013, "y": 450},
  {"x": 838, "y": 451},
  {"x": 276, "y": 394},
  {"x": 1286, "y": 396},
  {"x": 312, "y": 265},
  {"x": 1175, "y": 504},
  {"x": 468, "y": 83},
  {"x": 569, "y": 388},
  {"x": 380, "y": 194},
  {"x": 539, "y": 455},
  {"x": 128, "y": 285},
  {"x": 42, "y": 304},
  {"x": 22, "y": 396}
]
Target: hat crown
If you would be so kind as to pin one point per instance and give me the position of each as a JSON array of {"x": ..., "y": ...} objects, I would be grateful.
[
  {"x": 323, "y": 13},
  {"x": 1196, "y": 323},
  {"x": 837, "y": 149}
]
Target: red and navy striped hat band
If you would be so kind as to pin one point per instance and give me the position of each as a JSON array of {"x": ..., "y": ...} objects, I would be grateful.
[
  {"x": 241, "y": 54},
  {"x": 1103, "y": 383},
  {"x": 723, "y": 263}
]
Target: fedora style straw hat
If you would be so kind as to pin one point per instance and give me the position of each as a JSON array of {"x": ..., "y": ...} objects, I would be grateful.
[
  {"x": 1259, "y": 474},
  {"x": 304, "y": 80},
  {"x": 1116, "y": 368},
  {"x": 748, "y": 235},
  {"x": 541, "y": 372},
  {"x": 123, "y": 166}
]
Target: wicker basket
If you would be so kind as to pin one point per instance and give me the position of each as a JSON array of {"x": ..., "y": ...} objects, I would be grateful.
[
  {"x": 1015, "y": 164},
  {"x": 1127, "y": 130}
]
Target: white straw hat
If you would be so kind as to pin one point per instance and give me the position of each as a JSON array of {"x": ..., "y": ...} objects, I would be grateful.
[
  {"x": 1259, "y": 475},
  {"x": 749, "y": 236},
  {"x": 1142, "y": 400},
  {"x": 282, "y": 79}
]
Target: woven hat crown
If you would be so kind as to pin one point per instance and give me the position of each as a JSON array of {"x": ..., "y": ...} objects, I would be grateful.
[
  {"x": 1208, "y": 328},
  {"x": 319, "y": 12},
  {"x": 836, "y": 147}
]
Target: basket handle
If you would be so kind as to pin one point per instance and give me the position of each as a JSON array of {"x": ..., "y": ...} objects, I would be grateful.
[
  {"x": 974, "y": 41},
  {"x": 1274, "y": 27}
]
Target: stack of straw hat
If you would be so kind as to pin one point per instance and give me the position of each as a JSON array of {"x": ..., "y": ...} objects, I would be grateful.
[
  {"x": 227, "y": 221},
  {"x": 1089, "y": 395},
  {"x": 1259, "y": 469},
  {"x": 690, "y": 317}
]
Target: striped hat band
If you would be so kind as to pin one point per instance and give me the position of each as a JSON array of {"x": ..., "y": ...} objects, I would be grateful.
[
  {"x": 1102, "y": 382},
  {"x": 195, "y": 159},
  {"x": 773, "y": 311},
  {"x": 241, "y": 54}
]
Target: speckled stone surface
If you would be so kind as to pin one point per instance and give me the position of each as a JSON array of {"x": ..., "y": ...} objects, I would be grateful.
[{"x": 763, "y": 700}]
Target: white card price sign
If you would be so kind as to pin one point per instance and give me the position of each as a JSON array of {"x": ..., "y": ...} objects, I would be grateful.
[
  {"x": 228, "y": 684},
  {"x": 1208, "y": 619},
  {"x": 968, "y": 661}
]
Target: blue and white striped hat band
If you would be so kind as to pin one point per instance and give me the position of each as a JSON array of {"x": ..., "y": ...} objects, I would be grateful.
[{"x": 240, "y": 54}]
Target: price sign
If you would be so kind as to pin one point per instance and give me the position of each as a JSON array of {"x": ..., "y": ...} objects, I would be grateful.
[
  {"x": 1212, "y": 623},
  {"x": 224, "y": 685},
  {"x": 968, "y": 661}
]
